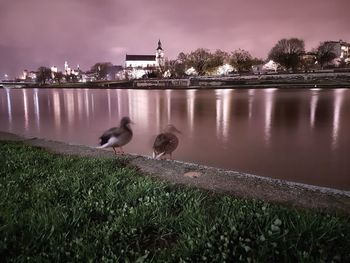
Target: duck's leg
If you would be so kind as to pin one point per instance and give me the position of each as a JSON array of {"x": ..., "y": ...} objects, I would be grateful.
[
  {"x": 160, "y": 155},
  {"x": 115, "y": 152}
]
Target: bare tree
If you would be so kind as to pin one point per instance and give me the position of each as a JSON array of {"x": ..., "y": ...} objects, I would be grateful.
[
  {"x": 199, "y": 59},
  {"x": 101, "y": 69},
  {"x": 325, "y": 53},
  {"x": 44, "y": 74},
  {"x": 58, "y": 76},
  {"x": 241, "y": 60},
  {"x": 288, "y": 52},
  {"x": 217, "y": 59},
  {"x": 175, "y": 67}
]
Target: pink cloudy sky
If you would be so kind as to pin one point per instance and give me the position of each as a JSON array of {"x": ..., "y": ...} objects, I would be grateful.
[{"x": 48, "y": 32}]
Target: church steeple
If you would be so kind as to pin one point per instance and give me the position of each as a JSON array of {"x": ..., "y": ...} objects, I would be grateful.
[
  {"x": 159, "y": 54},
  {"x": 159, "y": 45}
]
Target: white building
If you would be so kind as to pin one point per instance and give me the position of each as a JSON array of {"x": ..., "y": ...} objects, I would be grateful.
[
  {"x": 140, "y": 61},
  {"x": 146, "y": 61}
]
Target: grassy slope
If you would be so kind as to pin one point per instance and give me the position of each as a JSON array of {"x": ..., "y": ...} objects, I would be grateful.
[{"x": 64, "y": 208}]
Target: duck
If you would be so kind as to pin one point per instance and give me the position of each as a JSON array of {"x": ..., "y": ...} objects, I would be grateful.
[
  {"x": 117, "y": 137},
  {"x": 166, "y": 142}
]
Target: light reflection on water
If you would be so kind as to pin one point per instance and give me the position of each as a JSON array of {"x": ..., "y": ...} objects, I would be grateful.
[{"x": 299, "y": 135}]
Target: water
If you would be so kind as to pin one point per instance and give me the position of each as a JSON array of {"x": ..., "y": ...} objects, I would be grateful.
[{"x": 297, "y": 135}]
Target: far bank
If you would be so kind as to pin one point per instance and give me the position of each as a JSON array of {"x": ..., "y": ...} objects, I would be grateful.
[{"x": 288, "y": 81}]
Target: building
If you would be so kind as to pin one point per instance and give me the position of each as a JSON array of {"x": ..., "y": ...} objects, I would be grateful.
[
  {"x": 140, "y": 61},
  {"x": 146, "y": 61},
  {"x": 342, "y": 50}
]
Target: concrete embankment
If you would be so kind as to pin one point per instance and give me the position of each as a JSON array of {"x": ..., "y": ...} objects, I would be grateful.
[
  {"x": 302, "y": 80},
  {"x": 213, "y": 179}
]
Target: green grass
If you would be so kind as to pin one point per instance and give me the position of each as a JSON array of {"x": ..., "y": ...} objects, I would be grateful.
[{"x": 68, "y": 208}]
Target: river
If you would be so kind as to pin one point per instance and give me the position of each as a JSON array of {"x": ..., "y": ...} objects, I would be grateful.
[{"x": 296, "y": 135}]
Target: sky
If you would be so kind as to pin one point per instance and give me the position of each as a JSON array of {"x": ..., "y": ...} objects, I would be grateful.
[{"x": 36, "y": 33}]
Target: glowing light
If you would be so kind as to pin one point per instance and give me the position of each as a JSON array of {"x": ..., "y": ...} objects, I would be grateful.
[
  {"x": 69, "y": 105},
  {"x": 80, "y": 104},
  {"x": 157, "y": 112},
  {"x": 191, "y": 96},
  {"x": 139, "y": 106},
  {"x": 109, "y": 103},
  {"x": 87, "y": 103},
  {"x": 269, "y": 98},
  {"x": 119, "y": 103},
  {"x": 168, "y": 96},
  {"x": 25, "y": 104},
  {"x": 223, "y": 105},
  {"x": 57, "y": 108},
  {"x": 313, "y": 106},
  {"x": 336, "y": 116},
  {"x": 251, "y": 93},
  {"x": 36, "y": 108},
  {"x": 9, "y": 106}
]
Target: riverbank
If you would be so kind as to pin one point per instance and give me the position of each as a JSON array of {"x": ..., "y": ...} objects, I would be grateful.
[
  {"x": 234, "y": 183},
  {"x": 281, "y": 81},
  {"x": 64, "y": 207}
]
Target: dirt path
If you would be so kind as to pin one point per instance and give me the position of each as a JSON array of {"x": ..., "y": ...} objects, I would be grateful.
[{"x": 213, "y": 179}]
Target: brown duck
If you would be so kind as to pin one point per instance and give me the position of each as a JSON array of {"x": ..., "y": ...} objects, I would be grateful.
[
  {"x": 117, "y": 137},
  {"x": 166, "y": 142}
]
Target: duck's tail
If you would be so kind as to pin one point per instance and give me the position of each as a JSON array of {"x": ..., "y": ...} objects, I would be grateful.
[{"x": 155, "y": 156}]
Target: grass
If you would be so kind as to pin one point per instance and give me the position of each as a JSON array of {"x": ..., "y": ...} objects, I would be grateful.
[{"x": 67, "y": 208}]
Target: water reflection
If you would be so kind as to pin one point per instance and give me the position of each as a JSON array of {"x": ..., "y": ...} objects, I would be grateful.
[
  {"x": 285, "y": 134},
  {"x": 338, "y": 103},
  {"x": 191, "y": 96},
  {"x": 25, "y": 106},
  {"x": 9, "y": 106},
  {"x": 313, "y": 106},
  {"x": 57, "y": 108},
  {"x": 223, "y": 108},
  {"x": 269, "y": 102},
  {"x": 251, "y": 93}
]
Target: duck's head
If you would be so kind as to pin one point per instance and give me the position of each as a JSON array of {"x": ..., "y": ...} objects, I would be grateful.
[
  {"x": 125, "y": 121},
  {"x": 171, "y": 129}
]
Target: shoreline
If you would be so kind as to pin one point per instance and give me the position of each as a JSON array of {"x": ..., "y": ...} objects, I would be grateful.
[
  {"x": 280, "y": 81},
  {"x": 242, "y": 185}
]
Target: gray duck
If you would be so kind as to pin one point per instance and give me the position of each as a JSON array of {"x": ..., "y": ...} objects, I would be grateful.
[
  {"x": 117, "y": 137},
  {"x": 166, "y": 142}
]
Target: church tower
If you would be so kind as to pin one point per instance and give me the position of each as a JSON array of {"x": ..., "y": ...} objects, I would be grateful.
[{"x": 159, "y": 54}]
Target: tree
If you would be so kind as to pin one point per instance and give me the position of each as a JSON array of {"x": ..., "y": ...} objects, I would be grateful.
[
  {"x": 288, "y": 52},
  {"x": 325, "y": 53},
  {"x": 44, "y": 74},
  {"x": 216, "y": 60},
  {"x": 101, "y": 70},
  {"x": 175, "y": 67},
  {"x": 58, "y": 77},
  {"x": 241, "y": 60},
  {"x": 199, "y": 59},
  {"x": 308, "y": 62}
]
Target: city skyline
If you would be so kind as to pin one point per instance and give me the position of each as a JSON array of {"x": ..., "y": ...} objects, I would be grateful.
[{"x": 85, "y": 32}]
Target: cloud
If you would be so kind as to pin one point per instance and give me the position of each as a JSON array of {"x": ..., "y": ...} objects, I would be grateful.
[{"x": 88, "y": 31}]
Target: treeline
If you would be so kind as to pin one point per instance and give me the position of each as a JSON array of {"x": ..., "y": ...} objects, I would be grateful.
[
  {"x": 99, "y": 71},
  {"x": 289, "y": 54},
  {"x": 205, "y": 62}
]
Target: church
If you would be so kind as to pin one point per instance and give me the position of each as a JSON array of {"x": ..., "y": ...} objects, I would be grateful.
[{"x": 146, "y": 61}]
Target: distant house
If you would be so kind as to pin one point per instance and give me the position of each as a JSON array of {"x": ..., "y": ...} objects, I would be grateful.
[
  {"x": 341, "y": 48},
  {"x": 342, "y": 51}
]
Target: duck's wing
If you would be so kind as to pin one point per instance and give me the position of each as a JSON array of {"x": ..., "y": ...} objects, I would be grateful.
[
  {"x": 160, "y": 142},
  {"x": 112, "y": 132}
]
